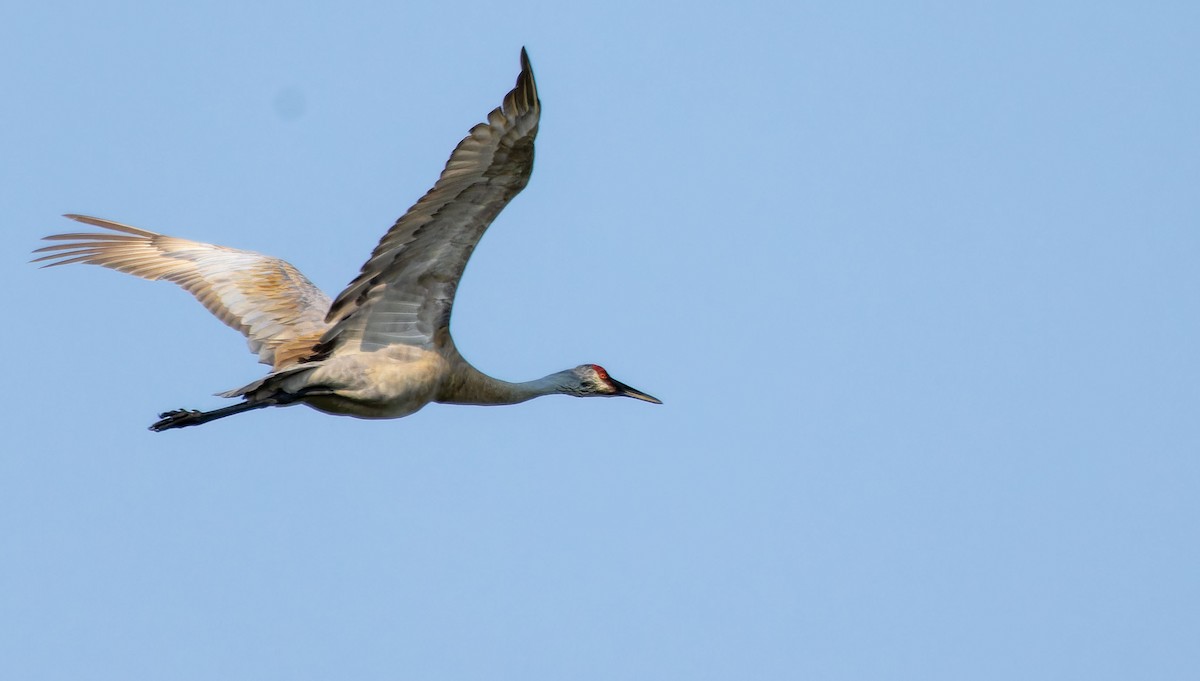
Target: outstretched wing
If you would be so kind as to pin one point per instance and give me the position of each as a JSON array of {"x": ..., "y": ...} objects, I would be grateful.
[
  {"x": 278, "y": 309},
  {"x": 404, "y": 293}
]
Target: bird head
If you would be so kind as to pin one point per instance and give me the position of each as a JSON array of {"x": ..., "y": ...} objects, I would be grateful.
[{"x": 591, "y": 380}]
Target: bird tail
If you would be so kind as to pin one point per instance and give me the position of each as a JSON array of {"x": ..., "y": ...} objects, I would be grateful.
[{"x": 270, "y": 384}]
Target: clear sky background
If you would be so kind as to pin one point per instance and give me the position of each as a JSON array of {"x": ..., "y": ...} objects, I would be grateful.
[{"x": 917, "y": 284}]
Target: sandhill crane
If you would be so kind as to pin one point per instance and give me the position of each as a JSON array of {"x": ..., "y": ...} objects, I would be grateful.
[{"x": 382, "y": 348}]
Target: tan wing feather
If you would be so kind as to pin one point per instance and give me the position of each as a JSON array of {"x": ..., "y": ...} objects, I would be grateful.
[
  {"x": 405, "y": 291},
  {"x": 277, "y": 308}
]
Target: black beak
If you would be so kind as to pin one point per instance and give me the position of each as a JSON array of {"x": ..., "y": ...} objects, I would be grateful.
[{"x": 625, "y": 391}]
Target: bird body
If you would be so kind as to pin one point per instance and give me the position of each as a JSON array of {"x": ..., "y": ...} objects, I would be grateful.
[
  {"x": 394, "y": 382},
  {"x": 382, "y": 348}
]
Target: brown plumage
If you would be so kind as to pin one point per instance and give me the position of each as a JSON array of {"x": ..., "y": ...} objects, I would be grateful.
[
  {"x": 382, "y": 348},
  {"x": 277, "y": 308}
]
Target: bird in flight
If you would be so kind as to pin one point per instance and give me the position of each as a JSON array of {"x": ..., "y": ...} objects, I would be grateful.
[{"x": 382, "y": 348}]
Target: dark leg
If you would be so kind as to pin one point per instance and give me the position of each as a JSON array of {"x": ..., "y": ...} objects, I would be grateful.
[{"x": 181, "y": 418}]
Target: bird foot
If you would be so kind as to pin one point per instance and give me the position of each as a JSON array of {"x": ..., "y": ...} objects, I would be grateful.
[{"x": 176, "y": 418}]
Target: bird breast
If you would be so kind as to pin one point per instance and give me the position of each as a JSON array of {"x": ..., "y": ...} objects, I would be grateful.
[{"x": 389, "y": 383}]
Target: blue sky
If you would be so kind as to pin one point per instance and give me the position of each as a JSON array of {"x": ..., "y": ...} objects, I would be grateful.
[{"x": 917, "y": 286}]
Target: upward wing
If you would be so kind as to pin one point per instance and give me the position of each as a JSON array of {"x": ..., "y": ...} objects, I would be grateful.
[
  {"x": 404, "y": 293},
  {"x": 279, "y": 310}
]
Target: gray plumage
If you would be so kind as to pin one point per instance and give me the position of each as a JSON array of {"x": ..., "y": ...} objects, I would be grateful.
[{"x": 382, "y": 348}]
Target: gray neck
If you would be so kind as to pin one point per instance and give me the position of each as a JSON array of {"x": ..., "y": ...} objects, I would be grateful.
[{"x": 467, "y": 385}]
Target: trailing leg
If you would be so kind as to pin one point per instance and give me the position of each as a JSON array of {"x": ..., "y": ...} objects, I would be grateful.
[{"x": 181, "y": 418}]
